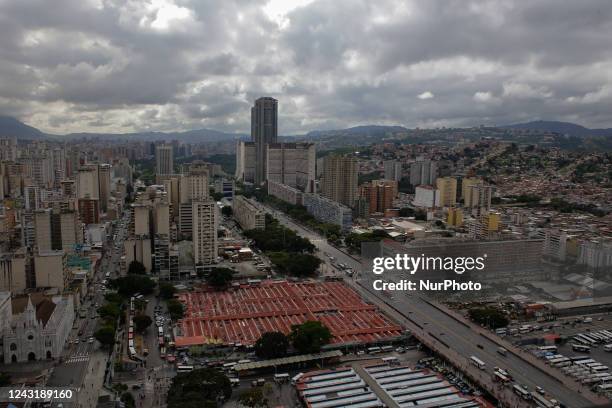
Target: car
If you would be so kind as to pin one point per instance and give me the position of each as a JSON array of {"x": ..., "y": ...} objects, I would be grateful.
[
  {"x": 540, "y": 390},
  {"x": 91, "y": 340},
  {"x": 76, "y": 341},
  {"x": 480, "y": 346}
]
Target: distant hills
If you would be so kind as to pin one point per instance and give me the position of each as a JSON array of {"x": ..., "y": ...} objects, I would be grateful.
[
  {"x": 11, "y": 127},
  {"x": 564, "y": 128}
]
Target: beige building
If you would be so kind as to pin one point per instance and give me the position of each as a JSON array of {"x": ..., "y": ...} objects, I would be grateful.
[
  {"x": 13, "y": 271},
  {"x": 57, "y": 230},
  {"x": 447, "y": 187},
  {"x": 292, "y": 164},
  {"x": 339, "y": 181},
  {"x": 51, "y": 270},
  {"x": 478, "y": 198},
  {"x": 138, "y": 249},
  {"x": 204, "y": 232},
  {"x": 104, "y": 178},
  {"x": 245, "y": 162},
  {"x": 467, "y": 183},
  {"x": 88, "y": 182},
  {"x": 247, "y": 214},
  {"x": 164, "y": 160}
]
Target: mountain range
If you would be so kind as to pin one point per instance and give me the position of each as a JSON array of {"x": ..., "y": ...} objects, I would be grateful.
[{"x": 11, "y": 127}]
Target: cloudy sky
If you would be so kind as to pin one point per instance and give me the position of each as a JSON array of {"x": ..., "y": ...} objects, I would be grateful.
[{"x": 133, "y": 65}]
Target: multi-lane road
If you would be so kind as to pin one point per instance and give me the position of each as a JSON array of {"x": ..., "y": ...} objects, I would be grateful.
[
  {"x": 83, "y": 363},
  {"x": 461, "y": 338}
]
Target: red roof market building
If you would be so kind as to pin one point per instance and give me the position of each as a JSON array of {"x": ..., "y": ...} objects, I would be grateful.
[{"x": 242, "y": 314}]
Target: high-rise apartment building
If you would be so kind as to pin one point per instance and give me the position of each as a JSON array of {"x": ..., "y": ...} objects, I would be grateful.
[
  {"x": 393, "y": 170},
  {"x": 164, "y": 160},
  {"x": 264, "y": 131},
  {"x": 447, "y": 187},
  {"x": 379, "y": 194},
  {"x": 339, "y": 181},
  {"x": 104, "y": 178},
  {"x": 248, "y": 214},
  {"x": 292, "y": 164},
  {"x": 478, "y": 199},
  {"x": 245, "y": 162},
  {"x": 423, "y": 172},
  {"x": 205, "y": 225}
]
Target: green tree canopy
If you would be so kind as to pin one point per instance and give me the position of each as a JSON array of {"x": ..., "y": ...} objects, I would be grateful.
[
  {"x": 295, "y": 264},
  {"x": 489, "y": 317},
  {"x": 136, "y": 268},
  {"x": 309, "y": 336},
  {"x": 219, "y": 277},
  {"x": 109, "y": 311},
  {"x": 142, "y": 322},
  {"x": 105, "y": 335},
  {"x": 129, "y": 285},
  {"x": 272, "y": 345},
  {"x": 176, "y": 309},
  {"x": 198, "y": 388},
  {"x": 166, "y": 290},
  {"x": 227, "y": 211},
  {"x": 253, "y": 398}
]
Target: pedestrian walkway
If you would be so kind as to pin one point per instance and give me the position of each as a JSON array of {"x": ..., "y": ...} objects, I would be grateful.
[{"x": 77, "y": 359}]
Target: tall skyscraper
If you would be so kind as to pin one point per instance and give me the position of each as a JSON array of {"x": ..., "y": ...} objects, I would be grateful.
[
  {"x": 104, "y": 178},
  {"x": 339, "y": 182},
  {"x": 164, "y": 160},
  {"x": 423, "y": 172},
  {"x": 292, "y": 164},
  {"x": 264, "y": 130}
]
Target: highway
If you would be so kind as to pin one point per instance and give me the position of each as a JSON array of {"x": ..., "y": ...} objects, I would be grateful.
[{"x": 466, "y": 340}]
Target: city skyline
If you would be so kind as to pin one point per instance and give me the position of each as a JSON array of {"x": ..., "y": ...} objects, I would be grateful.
[{"x": 108, "y": 67}]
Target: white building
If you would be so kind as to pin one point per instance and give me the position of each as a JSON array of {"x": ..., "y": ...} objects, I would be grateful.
[
  {"x": 248, "y": 214},
  {"x": 292, "y": 164},
  {"x": 284, "y": 192},
  {"x": 426, "y": 197},
  {"x": 393, "y": 170},
  {"x": 204, "y": 235},
  {"x": 326, "y": 210},
  {"x": 164, "y": 160},
  {"x": 35, "y": 327}
]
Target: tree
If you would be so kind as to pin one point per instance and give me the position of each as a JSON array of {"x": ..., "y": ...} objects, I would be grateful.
[
  {"x": 105, "y": 335},
  {"x": 176, "y": 309},
  {"x": 128, "y": 285},
  {"x": 309, "y": 336},
  {"x": 136, "y": 268},
  {"x": 113, "y": 297},
  {"x": 199, "y": 388},
  {"x": 166, "y": 290},
  {"x": 489, "y": 317},
  {"x": 253, "y": 398},
  {"x": 227, "y": 211},
  {"x": 109, "y": 311},
  {"x": 141, "y": 323},
  {"x": 128, "y": 399},
  {"x": 219, "y": 277},
  {"x": 295, "y": 264},
  {"x": 271, "y": 345}
]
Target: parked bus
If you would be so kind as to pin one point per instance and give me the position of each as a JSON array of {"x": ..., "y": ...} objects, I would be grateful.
[
  {"x": 184, "y": 368},
  {"x": 540, "y": 401},
  {"x": 282, "y": 377},
  {"x": 604, "y": 388},
  {"x": 391, "y": 360},
  {"x": 296, "y": 378},
  {"x": 580, "y": 348},
  {"x": 374, "y": 350},
  {"x": 521, "y": 392},
  {"x": 499, "y": 377},
  {"x": 552, "y": 349},
  {"x": 477, "y": 362},
  {"x": 502, "y": 351}
]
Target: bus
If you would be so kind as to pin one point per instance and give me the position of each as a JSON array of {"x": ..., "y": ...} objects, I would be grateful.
[
  {"x": 540, "y": 401},
  {"x": 282, "y": 377},
  {"x": 391, "y": 360},
  {"x": 581, "y": 348},
  {"x": 184, "y": 368},
  {"x": 521, "y": 392},
  {"x": 502, "y": 351},
  {"x": 296, "y": 378},
  {"x": 235, "y": 382},
  {"x": 229, "y": 366},
  {"x": 603, "y": 388},
  {"x": 374, "y": 350},
  {"x": 552, "y": 349},
  {"x": 477, "y": 362},
  {"x": 386, "y": 349},
  {"x": 107, "y": 275},
  {"x": 499, "y": 377}
]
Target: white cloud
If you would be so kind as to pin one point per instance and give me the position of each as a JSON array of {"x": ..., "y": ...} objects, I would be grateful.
[{"x": 425, "y": 95}]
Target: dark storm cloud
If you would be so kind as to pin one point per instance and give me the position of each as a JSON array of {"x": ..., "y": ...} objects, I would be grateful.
[{"x": 121, "y": 65}]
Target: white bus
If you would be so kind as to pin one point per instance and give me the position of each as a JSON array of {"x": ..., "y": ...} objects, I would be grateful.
[
  {"x": 581, "y": 348},
  {"x": 184, "y": 368},
  {"x": 521, "y": 392},
  {"x": 296, "y": 378},
  {"x": 552, "y": 349},
  {"x": 282, "y": 377},
  {"x": 374, "y": 350},
  {"x": 390, "y": 360},
  {"x": 604, "y": 387},
  {"x": 541, "y": 401},
  {"x": 477, "y": 362}
]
